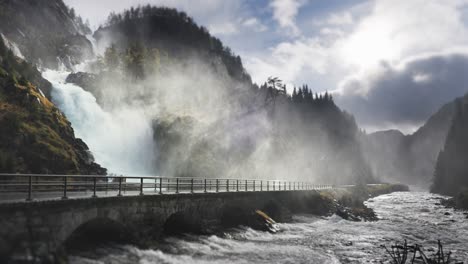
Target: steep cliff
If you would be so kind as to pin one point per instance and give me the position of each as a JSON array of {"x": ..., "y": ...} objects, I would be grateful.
[
  {"x": 451, "y": 169},
  {"x": 410, "y": 158},
  {"x": 46, "y": 33},
  {"x": 35, "y": 137}
]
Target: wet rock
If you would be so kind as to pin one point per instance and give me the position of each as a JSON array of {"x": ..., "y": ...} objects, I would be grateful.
[
  {"x": 82, "y": 79},
  {"x": 437, "y": 203},
  {"x": 448, "y": 202},
  {"x": 346, "y": 214},
  {"x": 234, "y": 216},
  {"x": 447, "y": 213},
  {"x": 265, "y": 223}
]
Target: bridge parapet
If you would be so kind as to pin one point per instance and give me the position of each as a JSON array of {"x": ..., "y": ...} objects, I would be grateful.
[{"x": 29, "y": 187}]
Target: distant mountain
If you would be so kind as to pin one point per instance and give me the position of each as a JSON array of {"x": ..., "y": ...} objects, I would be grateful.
[
  {"x": 410, "y": 158},
  {"x": 46, "y": 33},
  {"x": 451, "y": 170},
  {"x": 35, "y": 137}
]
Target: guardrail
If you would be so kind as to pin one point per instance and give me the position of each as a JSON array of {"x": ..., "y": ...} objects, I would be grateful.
[{"x": 20, "y": 187}]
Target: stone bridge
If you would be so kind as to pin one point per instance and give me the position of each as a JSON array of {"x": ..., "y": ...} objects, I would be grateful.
[{"x": 44, "y": 228}]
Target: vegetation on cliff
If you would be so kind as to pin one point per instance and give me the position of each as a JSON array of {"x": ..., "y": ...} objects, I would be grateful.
[{"x": 35, "y": 137}]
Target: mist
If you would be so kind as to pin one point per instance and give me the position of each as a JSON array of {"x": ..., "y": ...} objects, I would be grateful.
[
  {"x": 121, "y": 139},
  {"x": 150, "y": 104}
]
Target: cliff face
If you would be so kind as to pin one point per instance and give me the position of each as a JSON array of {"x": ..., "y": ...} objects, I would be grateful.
[
  {"x": 451, "y": 170},
  {"x": 409, "y": 158},
  {"x": 35, "y": 137},
  {"x": 46, "y": 33}
]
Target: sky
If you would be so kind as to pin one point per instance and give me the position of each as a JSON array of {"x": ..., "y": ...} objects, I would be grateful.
[{"x": 391, "y": 63}]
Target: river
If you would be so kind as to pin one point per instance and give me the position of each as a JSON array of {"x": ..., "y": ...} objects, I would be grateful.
[{"x": 310, "y": 239}]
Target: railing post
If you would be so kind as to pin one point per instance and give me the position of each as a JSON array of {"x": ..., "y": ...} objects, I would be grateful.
[
  {"x": 204, "y": 185},
  {"x": 141, "y": 186},
  {"x": 289, "y": 186},
  {"x": 227, "y": 185},
  {"x": 94, "y": 187},
  {"x": 177, "y": 186},
  {"x": 65, "y": 185},
  {"x": 246, "y": 187},
  {"x": 268, "y": 185},
  {"x": 254, "y": 185},
  {"x": 120, "y": 186},
  {"x": 29, "y": 198},
  {"x": 261, "y": 185},
  {"x": 217, "y": 185},
  {"x": 160, "y": 185},
  {"x": 284, "y": 189},
  {"x": 191, "y": 185},
  {"x": 274, "y": 185},
  {"x": 237, "y": 185}
]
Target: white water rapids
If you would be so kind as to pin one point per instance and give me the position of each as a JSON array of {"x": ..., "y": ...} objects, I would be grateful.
[
  {"x": 121, "y": 140},
  {"x": 414, "y": 216}
]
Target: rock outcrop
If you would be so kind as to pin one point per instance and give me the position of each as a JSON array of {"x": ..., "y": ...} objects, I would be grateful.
[{"x": 46, "y": 33}]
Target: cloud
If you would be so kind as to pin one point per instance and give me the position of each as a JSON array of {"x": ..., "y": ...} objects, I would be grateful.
[
  {"x": 227, "y": 28},
  {"x": 284, "y": 12},
  {"x": 406, "y": 93},
  {"x": 398, "y": 29},
  {"x": 403, "y": 67},
  {"x": 289, "y": 60},
  {"x": 344, "y": 18},
  {"x": 254, "y": 24}
]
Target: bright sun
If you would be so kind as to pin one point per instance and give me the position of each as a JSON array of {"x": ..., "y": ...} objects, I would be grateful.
[{"x": 370, "y": 44}]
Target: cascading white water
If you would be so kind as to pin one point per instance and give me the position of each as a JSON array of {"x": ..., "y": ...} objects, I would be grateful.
[
  {"x": 93, "y": 43},
  {"x": 120, "y": 140}
]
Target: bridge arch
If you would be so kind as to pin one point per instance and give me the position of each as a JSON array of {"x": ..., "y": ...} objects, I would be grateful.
[
  {"x": 98, "y": 231},
  {"x": 182, "y": 222}
]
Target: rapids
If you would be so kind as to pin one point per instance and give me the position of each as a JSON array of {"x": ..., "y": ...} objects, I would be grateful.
[{"x": 404, "y": 215}]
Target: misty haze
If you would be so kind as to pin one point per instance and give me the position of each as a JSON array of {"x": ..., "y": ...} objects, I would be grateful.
[{"x": 216, "y": 131}]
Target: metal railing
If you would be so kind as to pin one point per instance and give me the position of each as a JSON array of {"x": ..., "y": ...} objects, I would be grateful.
[{"x": 20, "y": 187}]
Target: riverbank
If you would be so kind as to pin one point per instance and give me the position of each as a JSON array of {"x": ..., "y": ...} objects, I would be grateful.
[{"x": 460, "y": 201}]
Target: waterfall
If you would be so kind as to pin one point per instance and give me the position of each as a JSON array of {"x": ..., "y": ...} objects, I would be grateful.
[
  {"x": 93, "y": 43},
  {"x": 121, "y": 140}
]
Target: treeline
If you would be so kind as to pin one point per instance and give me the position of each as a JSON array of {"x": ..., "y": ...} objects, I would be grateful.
[
  {"x": 136, "y": 61},
  {"x": 83, "y": 26},
  {"x": 302, "y": 97},
  {"x": 451, "y": 170}
]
